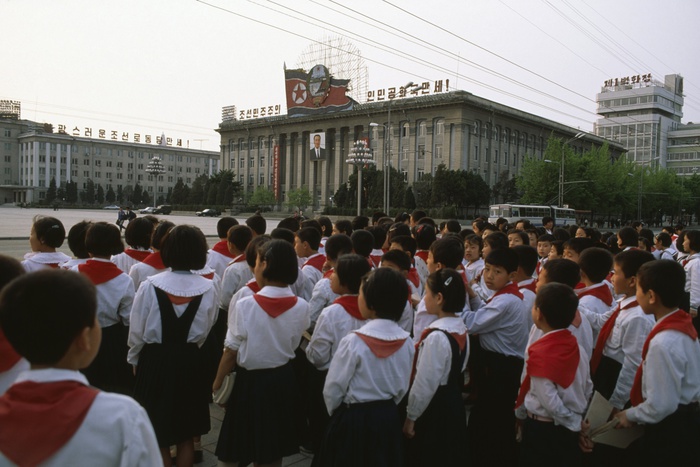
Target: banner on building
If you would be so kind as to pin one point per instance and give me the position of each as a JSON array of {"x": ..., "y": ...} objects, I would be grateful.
[
  {"x": 276, "y": 172},
  {"x": 315, "y": 92}
]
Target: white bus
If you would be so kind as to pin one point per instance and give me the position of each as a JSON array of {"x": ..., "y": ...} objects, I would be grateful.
[{"x": 534, "y": 214}]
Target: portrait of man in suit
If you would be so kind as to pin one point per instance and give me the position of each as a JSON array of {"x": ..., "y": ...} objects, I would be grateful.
[{"x": 318, "y": 146}]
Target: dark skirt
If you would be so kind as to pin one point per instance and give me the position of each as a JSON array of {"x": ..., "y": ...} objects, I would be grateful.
[
  {"x": 366, "y": 434},
  {"x": 548, "y": 445},
  {"x": 441, "y": 431},
  {"x": 171, "y": 386},
  {"x": 261, "y": 424},
  {"x": 109, "y": 370}
]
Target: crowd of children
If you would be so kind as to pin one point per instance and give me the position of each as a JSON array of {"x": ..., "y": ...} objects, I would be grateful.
[{"x": 367, "y": 342}]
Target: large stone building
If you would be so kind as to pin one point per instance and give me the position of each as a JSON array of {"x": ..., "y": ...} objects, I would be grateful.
[
  {"x": 457, "y": 129},
  {"x": 32, "y": 155}
]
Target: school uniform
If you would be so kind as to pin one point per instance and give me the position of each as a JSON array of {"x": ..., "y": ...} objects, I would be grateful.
[
  {"x": 415, "y": 286},
  {"x": 235, "y": 277},
  {"x": 11, "y": 364},
  {"x": 473, "y": 269},
  {"x": 405, "y": 322},
  {"x": 219, "y": 257},
  {"x": 552, "y": 400},
  {"x": 150, "y": 266},
  {"x": 313, "y": 272},
  {"x": 435, "y": 399},
  {"x": 73, "y": 262},
  {"x": 172, "y": 316},
  {"x": 540, "y": 264},
  {"x": 528, "y": 289},
  {"x": 692, "y": 280},
  {"x": 335, "y": 322},
  {"x": 129, "y": 257},
  {"x": 36, "y": 261},
  {"x": 666, "y": 392},
  {"x": 368, "y": 377},
  {"x": 261, "y": 421},
  {"x": 596, "y": 298},
  {"x": 322, "y": 245},
  {"x": 321, "y": 297},
  {"x": 500, "y": 324},
  {"x": 480, "y": 289},
  {"x": 109, "y": 370},
  {"x": 579, "y": 327},
  {"x": 299, "y": 286},
  {"x": 420, "y": 260},
  {"x": 93, "y": 427},
  {"x": 375, "y": 256},
  {"x": 666, "y": 253}
]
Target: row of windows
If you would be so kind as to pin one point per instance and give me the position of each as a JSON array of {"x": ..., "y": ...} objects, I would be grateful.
[
  {"x": 506, "y": 135},
  {"x": 683, "y": 156},
  {"x": 98, "y": 151}
]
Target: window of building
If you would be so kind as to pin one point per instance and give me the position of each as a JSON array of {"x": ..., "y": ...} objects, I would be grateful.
[
  {"x": 440, "y": 127},
  {"x": 8, "y": 158},
  {"x": 421, "y": 152},
  {"x": 421, "y": 172},
  {"x": 242, "y": 163},
  {"x": 251, "y": 162},
  {"x": 476, "y": 152},
  {"x": 119, "y": 175},
  {"x": 422, "y": 129},
  {"x": 8, "y": 146},
  {"x": 262, "y": 179},
  {"x": 98, "y": 174},
  {"x": 495, "y": 156},
  {"x": 262, "y": 161},
  {"x": 86, "y": 173},
  {"x": 405, "y": 130},
  {"x": 438, "y": 151},
  {"x": 250, "y": 179},
  {"x": 8, "y": 134}
]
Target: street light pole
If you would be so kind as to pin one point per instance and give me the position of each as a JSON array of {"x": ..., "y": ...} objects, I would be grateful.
[
  {"x": 360, "y": 155},
  {"x": 561, "y": 167}
]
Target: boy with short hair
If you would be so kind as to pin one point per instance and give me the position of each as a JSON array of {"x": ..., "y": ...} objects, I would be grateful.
[
  {"x": 407, "y": 245},
  {"x": 666, "y": 388},
  {"x": 664, "y": 248},
  {"x": 379, "y": 234},
  {"x": 596, "y": 296},
  {"x": 237, "y": 273},
  {"x": 575, "y": 246},
  {"x": 219, "y": 255},
  {"x": 473, "y": 262},
  {"x": 544, "y": 246},
  {"x": 306, "y": 243},
  {"x": 500, "y": 324},
  {"x": 556, "y": 385},
  {"x": 425, "y": 236},
  {"x": 322, "y": 295},
  {"x": 57, "y": 331},
  {"x": 257, "y": 224},
  {"x": 400, "y": 261}
]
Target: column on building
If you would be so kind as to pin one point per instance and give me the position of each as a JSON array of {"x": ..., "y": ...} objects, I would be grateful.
[
  {"x": 340, "y": 142},
  {"x": 35, "y": 164},
  {"x": 288, "y": 156},
  {"x": 68, "y": 162},
  {"x": 22, "y": 163},
  {"x": 325, "y": 166},
  {"x": 302, "y": 154}
]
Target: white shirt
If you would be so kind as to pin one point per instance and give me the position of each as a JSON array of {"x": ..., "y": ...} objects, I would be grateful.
[
  {"x": 124, "y": 261},
  {"x": 244, "y": 292},
  {"x": 421, "y": 268},
  {"x": 434, "y": 364},
  {"x": 333, "y": 324},
  {"x": 115, "y": 432},
  {"x": 146, "y": 325},
  {"x": 299, "y": 286},
  {"x": 235, "y": 277},
  {"x": 321, "y": 297},
  {"x": 73, "y": 262},
  {"x": 36, "y": 261},
  {"x": 8, "y": 377},
  {"x": 114, "y": 299},
  {"x": 480, "y": 289},
  {"x": 528, "y": 300},
  {"x": 217, "y": 261},
  {"x": 312, "y": 275},
  {"x": 140, "y": 271},
  {"x": 421, "y": 320},
  {"x": 263, "y": 341},
  {"x": 588, "y": 304},
  {"x": 357, "y": 375},
  {"x": 565, "y": 405},
  {"x": 692, "y": 280},
  {"x": 671, "y": 376},
  {"x": 474, "y": 268},
  {"x": 500, "y": 324}
]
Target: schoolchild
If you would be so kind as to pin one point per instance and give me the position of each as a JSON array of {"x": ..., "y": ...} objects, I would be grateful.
[
  {"x": 533, "y": 234},
  {"x": 596, "y": 296},
  {"x": 517, "y": 237},
  {"x": 500, "y": 324},
  {"x": 557, "y": 250},
  {"x": 682, "y": 255},
  {"x": 46, "y": 235},
  {"x": 568, "y": 273},
  {"x": 237, "y": 273},
  {"x": 666, "y": 388},
  {"x": 219, "y": 256},
  {"x": 11, "y": 363},
  {"x": 58, "y": 333},
  {"x": 362, "y": 244},
  {"x": 691, "y": 245},
  {"x": 627, "y": 238},
  {"x": 379, "y": 234},
  {"x": 76, "y": 243},
  {"x": 368, "y": 376},
  {"x": 444, "y": 253},
  {"x": 436, "y": 420},
  {"x": 527, "y": 262},
  {"x": 109, "y": 370},
  {"x": 257, "y": 224},
  {"x": 326, "y": 232},
  {"x": 283, "y": 233},
  {"x": 289, "y": 223},
  {"x": 664, "y": 247},
  {"x": 544, "y": 246},
  {"x": 359, "y": 222},
  {"x": 262, "y": 420},
  {"x": 492, "y": 242},
  {"x": 153, "y": 263},
  {"x": 343, "y": 226},
  {"x": 138, "y": 236},
  {"x": 425, "y": 235},
  {"x": 408, "y": 245},
  {"x": 306, "y": 242},
  {"x": 416, "y": 216},
  {"x": 172, "y": 315},
  {"x": 400, "y": 261},
  {"x": 336, "y": 246},
  {"x": 556, "y": 386},
  {"x": 473, "y": 262},
  {"x": 575, "y": 246}
]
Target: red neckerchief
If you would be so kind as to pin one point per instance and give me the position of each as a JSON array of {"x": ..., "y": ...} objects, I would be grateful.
[
  {"x": 511, "y": 288},
  {"x": 460, "y": 338},
  {"x": 327, "y": 274},
  {"x": 8, "y": 356},
  {"x": 238, "y": 259},
  {"x": 554, "y": 356},
  {"x": 423, "y": 254},
  {"x": 43, "y": 417},
  {"x": 532, "y": 287},
  {"x": 155, "y": 261},
  {"x": 601, "y": 292},
  {"x": 677, "y": 321},
  {"x": 580, "y": 285},
  {"x": 138, "y": 255},
  {"x": 275, "y": 306},
  {"x": 413, "y": 277},
  {"x": 605, "y": 332},
  {"x": 379, "y": 347},
  {"x": 209, "y": 275},
  {"x": 376, "y": 259},
  {"x": 349, "y": 304},
  {"x": 99, "y": 272},
  {"x": 316, "y": 261},
  {"x": 53, "y": 265},
  {"x": 221, "y": 247},
  {"x": 538, "y": 269},
  {"x": 253, "y": 285}
]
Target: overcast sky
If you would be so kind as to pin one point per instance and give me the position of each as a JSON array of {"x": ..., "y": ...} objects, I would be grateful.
[{"x": 154, "y": 66}]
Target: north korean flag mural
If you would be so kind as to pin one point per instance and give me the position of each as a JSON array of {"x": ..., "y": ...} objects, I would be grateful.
[{"x": 315, "y": 92}]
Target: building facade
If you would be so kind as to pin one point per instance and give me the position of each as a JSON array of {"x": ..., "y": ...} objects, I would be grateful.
[
  {"x": 684, "y": 150},
  {"x": 33, "y": 155},
  {"x": 413, "y": 135}
]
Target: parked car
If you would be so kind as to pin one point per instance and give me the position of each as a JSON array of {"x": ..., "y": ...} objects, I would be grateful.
[
  {"x": 163, "y": 209},
  {"x": 208, "y": 213},
  {"x": 113, "y": 207},
  {"x": 148, "y": 210}
]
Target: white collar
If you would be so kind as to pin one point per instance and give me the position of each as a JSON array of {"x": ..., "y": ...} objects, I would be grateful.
[
  {"x": 276, "y": 292},
  {"x": 181, "y": 285},
  {"x": 49, "y": 375},
  {"x": 384, "y": 329},
  {"x": 43, "y": 257}
]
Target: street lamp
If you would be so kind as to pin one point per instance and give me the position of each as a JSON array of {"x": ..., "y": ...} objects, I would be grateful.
[
  {"x": 409, "y": 87},
  {"x": 360, "y": 155},
  {"x": 561, "y": 167},
  {"x": 155, "y": 168}
]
